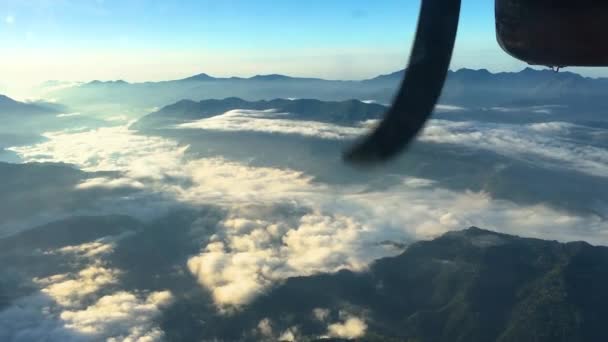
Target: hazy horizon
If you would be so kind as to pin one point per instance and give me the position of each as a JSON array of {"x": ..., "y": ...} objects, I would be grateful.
[
  {"x": 141, "y": 41},
  {"x": 26, "y": 92}
]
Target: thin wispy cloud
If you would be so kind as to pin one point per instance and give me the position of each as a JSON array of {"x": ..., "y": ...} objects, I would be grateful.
[
  {"x": 270, "y": 122},
  {"x": 535, "y": 143}
]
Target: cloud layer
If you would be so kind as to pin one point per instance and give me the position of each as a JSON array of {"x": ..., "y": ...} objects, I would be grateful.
[
  {"x": 271, "y": 122},
  {"x": 545, "y": 144},
  {"x": 282, "y": 223}
]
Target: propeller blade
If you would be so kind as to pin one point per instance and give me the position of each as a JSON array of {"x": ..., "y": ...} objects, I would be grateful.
[{"x": 420, "y": 88}]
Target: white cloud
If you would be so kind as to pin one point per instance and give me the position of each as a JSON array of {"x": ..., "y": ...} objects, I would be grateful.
[
  {"x": 417, "y": 182},
  {"x": 545, "y": 109},
  {"x": 121, "y": 316},
  {"x": 320, "y": 314},
  {"x": 252, "y": 252},
  {"x": 247, "y": 256},
  {"x": 84, "y": 306},
  {"x": 71, "y": 291},
  {"x": 9, "y": 20},
  {"x": 90, "y": 249},
  {"x": 52, "y": 86},
  {"x": 214, "y": 179},
  {"x": 551, "y": 127},
  {"x": 68, "y": 115},
  {"x": 352, "y": 327},
  {"x": 95, "y": 249},
  {"x": 109, "y": 183},
  {"x": 270, "y": 122},
  {"x": 265, "y": 332},
  {"x": 108, "y": 149},
  {"x": 443, "y": 108},
  {"x": 265, "y": 327},
  {"x": 289, "y": 335}
]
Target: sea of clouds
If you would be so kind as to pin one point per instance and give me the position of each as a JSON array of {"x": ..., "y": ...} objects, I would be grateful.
[{"x": 278, "y": 222}]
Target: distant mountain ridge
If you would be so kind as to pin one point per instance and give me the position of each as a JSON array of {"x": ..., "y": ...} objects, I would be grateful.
[
  {"x": 464, "y": 87},
  {"x": 203, "y": 77},
  {"x": 392, "y": 76},
  {"x": 461, "y": 74}
]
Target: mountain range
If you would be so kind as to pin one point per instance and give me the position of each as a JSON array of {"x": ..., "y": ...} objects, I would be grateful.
[
  {"x": 470, "y": 285},
  {"x": 14, "y": 109},
  {"x": 465, "y": 87}
]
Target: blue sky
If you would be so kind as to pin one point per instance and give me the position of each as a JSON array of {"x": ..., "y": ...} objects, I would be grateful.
[{"x": 141, "y": 40}]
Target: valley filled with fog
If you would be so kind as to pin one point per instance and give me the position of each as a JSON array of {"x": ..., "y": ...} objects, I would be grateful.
[{"x": 189, "y": 209}]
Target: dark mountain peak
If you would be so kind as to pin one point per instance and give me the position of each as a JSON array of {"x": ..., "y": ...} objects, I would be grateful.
[
  {"x": 6, "y": 99},
  {"x": 477, "y": 75},
  {"x": 579, "y": 245},
  {"x": 529, "y": 70},
  {"x": 548, "y": 73},
  {"x": 228, "y": 101},
  {"x": 188, "y": 108},
  {"x": 472, "y": 230},
  {"x": 473, "y": 71},
  {"x": 509, "y": 289},
  {"x": 12, "y": 107},
  {"x": 526, "y": 74},
  {"x": 115, "y": 82},
  {"x": 182, "y": 102},
  {"x": 477, "y": 237},
  {"x": 397, "y": 75},
  {"x": 270, "y": 77},
  {"x": 199, "y": 77},
  {"x": 471, "y": 75},
  {"x": 356, "y": 102},
  {"x": 551, "y": 79},
  {"x": 233, "y": 99}
]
